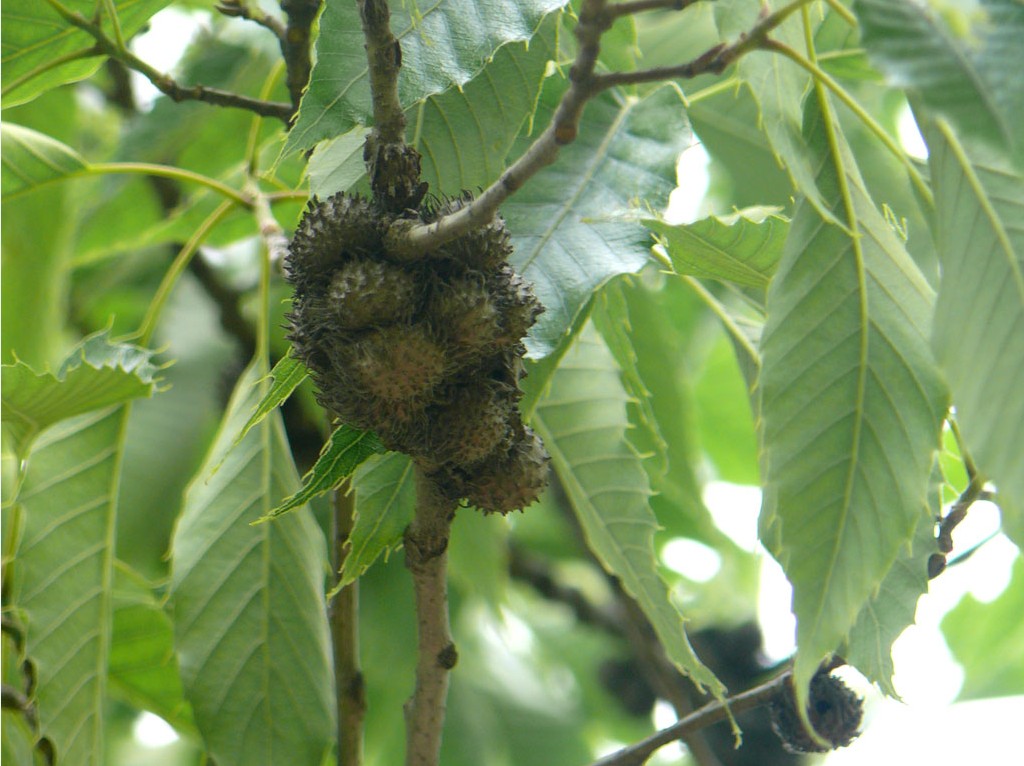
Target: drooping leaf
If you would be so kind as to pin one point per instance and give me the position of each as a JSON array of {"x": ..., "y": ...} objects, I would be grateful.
[
  {"x": 988, "y": 640},
  {"x": 385, "y": 502},
  {"x": 443, "y": 45},
  {"x": 97, "y": 374},
  {"x": 38, "y": 43},
  {"x": 851, "y": 403},
  {"x": 345, "y": 450},
  {"x": 35, "y": 257},
  {"x": 978, "y": 335},
  {"x": 778, "y": 87},
  {"x": 563, "y": 222},
  {"x": 142, "y": 663},
  {"x": 63, "y": 577},
  {"x": 287, "y": 375},
  {"x": 743, "y": 247},
  {"x": 967, "y": 71},
  {"x": 892, "y": 609},
  {"x": 30, "y": 159},
  {"x": 583, "y": 423},
  {"x": 249, "y": 617}
]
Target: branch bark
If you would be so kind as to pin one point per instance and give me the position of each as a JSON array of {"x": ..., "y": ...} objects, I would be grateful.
[
  {"x": 296, "y": 43},
  {"x": 426, "y": 545},
  {"x": 713, "y": 712},
  {"x": 348, "y": 677},
  {"x": 393, "y": 166}
]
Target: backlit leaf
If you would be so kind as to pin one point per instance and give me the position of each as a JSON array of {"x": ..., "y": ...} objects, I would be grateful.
[
  {"x": 967, "y": 70},
  {"x": 851, "y": 403},
  {"x": 583, "y": 423},
  {"x": 743, "y": 247},
  {"x": 97, "y": 374},
  {"x": 63, "y": 576},
  {"x": 567, "y": 224},
  {"x": 249, "y": 615},
  {"x": 38, "y": 43},
  {"x": 978, "y": 336},
  {"x": 30, "y": 159}
]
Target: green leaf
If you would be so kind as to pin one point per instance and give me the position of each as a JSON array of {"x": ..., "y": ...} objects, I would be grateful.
[
  {"x": 744, "y": 247},
  {"x": 38, "y": 45},
  {"x": 968, "y": 71},
  {"x": 583, "y": 423},
  {"x": 97, "y": 374},
  {"x": 337, "y": 163},
  {"x": 978, "y": 335},
  {"x": 249, "y": 617},
  {"x": 31, "y": 159},
  {"x": 778, "y": 87},
  {"x": 893, "y": 608},
  {"x": 851, "y": 403},
  {"x": 63, "y": 576},
  {"x": 567, "y": 239},
  {"x": 142, "y": 662},
  {"x": 287, "y": 375},
  {"x": 385, "y": 502},
  {"x": 443, "y": 45},
  {"x": 345, "y": 450},
  {"x": 464, "y": 134},
  {"x": 988, "y": 640}
]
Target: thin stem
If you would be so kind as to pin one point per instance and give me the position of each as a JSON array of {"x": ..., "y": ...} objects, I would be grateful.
[
  {"x": 841, "y": 93},
  {"x": 348, "y": 677},
  {"x": 719, "y": 310},
  {"x": 712, "y": 90},
  {"x": 270, "y": 230},
  {"x": 426, "y": 546},
  {"x": 972, "y": 470},
  {"x": 164, "y": 82},
  {"x": 149, "y": 322},
  {"x": 843, "y": 12},
  {"x": 115, "y": 24},
  {"x": 178, "y": 174},
  {"x": 295, "y": 45},
  {"x": 713, "y": 712},
  {"x": 252, "y": 145}
]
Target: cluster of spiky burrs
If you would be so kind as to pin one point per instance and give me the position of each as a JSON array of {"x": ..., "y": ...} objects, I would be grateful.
[{"x": 425, "y": 352}]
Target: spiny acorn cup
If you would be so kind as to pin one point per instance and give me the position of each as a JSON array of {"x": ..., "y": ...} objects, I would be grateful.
[{"x": 426, "y": 352}]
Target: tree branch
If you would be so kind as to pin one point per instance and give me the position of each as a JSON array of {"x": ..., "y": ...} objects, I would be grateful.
[
  {"x": 164, "y": 82},
  {"x": 296, "y": 44},
  {"x": 426, "y": 545},
  {"x": 348, "y": 678},
  {"x": 596, "y": 17},
  {"x": 957, "y": 513},
  {"x": 713, "y": 712},
  {"x": 393, "y": 167},
  {"x": 638, "y": 6},
  {"x": 240, "y": 10}
]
